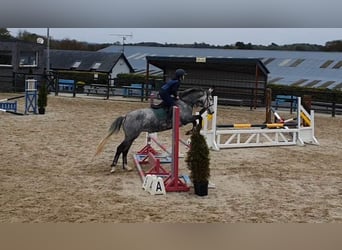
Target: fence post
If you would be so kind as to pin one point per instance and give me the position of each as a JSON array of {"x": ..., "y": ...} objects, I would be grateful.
[
  {"x": 251, "y": 105},
  {"x": 268, "y": 105},
  {"x": 333, "y": 109},
  {"x": 74, "y": 89},
  {"x": 306, "y": 102},
  {"x": 108, "y": 86},
  {"x": 57, "y": 85}
]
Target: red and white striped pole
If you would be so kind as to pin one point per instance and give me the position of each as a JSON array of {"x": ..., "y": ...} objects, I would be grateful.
[{"x": 173, "y": 183}]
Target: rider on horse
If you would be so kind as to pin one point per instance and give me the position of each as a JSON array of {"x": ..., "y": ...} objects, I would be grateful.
[{"x": 168, "y": 92}]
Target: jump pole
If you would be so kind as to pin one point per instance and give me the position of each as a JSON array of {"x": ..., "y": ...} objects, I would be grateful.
[
  {"x": 160, "y": 145},
  {"x": 10, "y": 107},
  {"x": 173, "y": 183},
  {"x": 248, "y": 125},
  {"x": 148, "y": 147},
  {"x": 153, "y": 139},
  {"x": 12, "y": 98},
  {"x": 11, "y": 112},
  {"x": 31, "y": 99},
  {"x": 281, "y": 136}
]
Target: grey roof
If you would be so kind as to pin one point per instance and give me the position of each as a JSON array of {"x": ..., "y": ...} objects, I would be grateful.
[
  {"x": 300, "y": 68},
  {"x": 85, "y": 60},
  {"x": 247, "y": 64}
]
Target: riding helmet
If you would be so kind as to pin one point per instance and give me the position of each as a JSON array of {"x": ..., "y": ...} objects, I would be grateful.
[{"x": 180, "y": 73}]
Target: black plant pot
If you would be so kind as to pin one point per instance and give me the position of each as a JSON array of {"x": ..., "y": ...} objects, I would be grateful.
[
  {"x": 201, "y": 188},
  {"x": 41, "y": 111}
]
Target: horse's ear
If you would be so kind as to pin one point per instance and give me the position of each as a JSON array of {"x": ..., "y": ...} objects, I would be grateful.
[{"x": 211, "y": 90}]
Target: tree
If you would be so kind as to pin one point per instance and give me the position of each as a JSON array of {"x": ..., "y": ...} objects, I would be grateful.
[
  {"x": 27, "y": 36},
  {"x": 239, "y": 45},
  {"x": 198, "y": 161},
  {"x": 42, "y": 98},
  {"x": 5, "y": 34},
  {"x": 334, "y": 45}
]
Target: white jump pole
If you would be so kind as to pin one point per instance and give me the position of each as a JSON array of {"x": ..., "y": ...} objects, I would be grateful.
[
  {"x": 271, "y": 137},
  {"x": 209, "y": 132}
]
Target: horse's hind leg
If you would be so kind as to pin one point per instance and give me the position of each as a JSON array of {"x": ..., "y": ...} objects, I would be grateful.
[
  {"x": 122, "y": 148},
  {"x": 119, "y": 150},
  {"x": 124, "y": 158}
]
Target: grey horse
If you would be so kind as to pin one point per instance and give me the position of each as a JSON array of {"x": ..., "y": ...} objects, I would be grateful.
[{"x": 155, "y": 120}]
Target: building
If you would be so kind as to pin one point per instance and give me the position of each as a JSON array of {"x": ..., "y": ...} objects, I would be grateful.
[
  {"x": 20, "y": 60},
  {"x": 110, "y": 64},
  {"x": 292, "y": 68},
  {"x": 234, "y": 80}
]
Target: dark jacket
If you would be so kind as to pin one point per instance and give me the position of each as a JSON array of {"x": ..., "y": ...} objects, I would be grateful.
[{"x": 168, "y": 90}]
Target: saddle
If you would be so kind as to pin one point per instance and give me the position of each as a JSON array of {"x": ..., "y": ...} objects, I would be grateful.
[
  {"x": 163, "y": 111},
  {"x": 158, "y": 105}
]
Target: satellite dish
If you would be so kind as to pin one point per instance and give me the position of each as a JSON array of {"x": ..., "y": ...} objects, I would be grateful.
[{"x": 40, "y": 40}]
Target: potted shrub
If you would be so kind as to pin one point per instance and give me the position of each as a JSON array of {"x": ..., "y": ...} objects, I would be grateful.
[
  {"x": 42, "y": 98},
  {"x": 198, "y": 162}
]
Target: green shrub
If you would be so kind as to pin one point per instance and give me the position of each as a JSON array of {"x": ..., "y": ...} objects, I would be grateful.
[
  {"x": 42, "y": 96},
  {"x": 197, "y": 158}
]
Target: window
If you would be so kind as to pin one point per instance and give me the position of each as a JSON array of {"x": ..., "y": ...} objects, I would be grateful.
[
  {"x": 28, "y": 59},
  {"x": 338, "y": 86},
  {"x": 337, "y": 65},
  {"x": 5, "y": 58},
  {"x": 76, "y": 64},
  {"x": 296, "y": 63},
  {"x": 284, "y": 62},
  {"x": 326, "y": 64},
  {"x": 96, "y": 65},
  {"x": 312, "y": 83},
  {"x": 275, "y": 79},
  {"x": 268, "y": 60},
  {"x": 299, "y": 82},
  {"x": 326, "y": 84}
]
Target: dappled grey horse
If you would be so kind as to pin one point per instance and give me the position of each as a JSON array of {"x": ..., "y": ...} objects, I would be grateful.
[{"x": 155, "y": 120}]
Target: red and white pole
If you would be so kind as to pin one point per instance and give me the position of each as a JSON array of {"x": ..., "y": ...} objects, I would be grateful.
[{"x": 173, "y": 183}]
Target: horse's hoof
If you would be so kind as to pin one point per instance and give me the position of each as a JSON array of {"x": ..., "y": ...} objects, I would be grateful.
[
  {"x": 112, "y": 170},
  {"x": 126, "y": 167}
]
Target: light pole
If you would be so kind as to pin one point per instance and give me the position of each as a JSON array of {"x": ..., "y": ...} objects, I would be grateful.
[{"x": 48, "y": 51}]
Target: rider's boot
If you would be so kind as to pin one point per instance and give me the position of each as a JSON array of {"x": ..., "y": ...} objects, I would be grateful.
[{"x": 169, "y": 115}]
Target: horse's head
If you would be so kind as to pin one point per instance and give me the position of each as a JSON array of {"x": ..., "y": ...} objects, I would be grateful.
[
  {"x": 209, "y": 102},
  {"x": 199, "y": 97}
]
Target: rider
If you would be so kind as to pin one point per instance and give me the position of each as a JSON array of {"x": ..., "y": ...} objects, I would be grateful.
[{"x": 168, "y": 92}]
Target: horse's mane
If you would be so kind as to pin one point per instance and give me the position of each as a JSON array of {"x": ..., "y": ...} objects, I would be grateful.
[{"x": 190, "y": 91}]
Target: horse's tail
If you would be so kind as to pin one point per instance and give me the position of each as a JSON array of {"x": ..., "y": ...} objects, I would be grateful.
[{"x": 114, "y": 128}]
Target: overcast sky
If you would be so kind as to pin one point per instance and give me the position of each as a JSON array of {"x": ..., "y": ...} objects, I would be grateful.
[{"x": 213, "y": 36}]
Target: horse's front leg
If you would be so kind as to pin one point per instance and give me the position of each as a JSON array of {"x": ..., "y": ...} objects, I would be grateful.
[
  {"x": 195, "y": 123},
  {"x": 199, "y": 117},
  {"x": 200, "y": 121}
]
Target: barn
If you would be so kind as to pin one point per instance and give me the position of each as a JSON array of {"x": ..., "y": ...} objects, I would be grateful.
[
  {"x": 110, "y": 64},
  {"x": 236, "y": 81},
  {"x": 20, "y": 60},
  {"x": 315, "y": 69}
]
